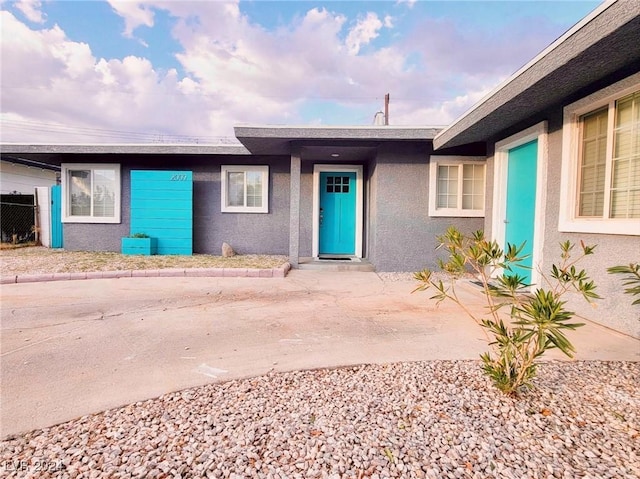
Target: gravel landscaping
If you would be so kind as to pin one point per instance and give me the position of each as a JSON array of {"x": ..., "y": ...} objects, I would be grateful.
[
  {"x": 439, "y": 419},
  {"x": 40, "y": 260}
]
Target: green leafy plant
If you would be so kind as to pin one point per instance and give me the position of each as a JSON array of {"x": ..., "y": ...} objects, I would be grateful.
[
  {"x": 631, "y": 279},
  {"x": 520, "y": 325},
  {"x": 139, "y": 235}
]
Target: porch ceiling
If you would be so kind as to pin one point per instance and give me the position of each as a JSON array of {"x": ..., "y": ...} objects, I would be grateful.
[{"x": 342, "y": 154}]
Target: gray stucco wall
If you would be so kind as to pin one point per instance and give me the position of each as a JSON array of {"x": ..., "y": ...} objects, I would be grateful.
[
  {"x": 402, "y": 234},
  {"x": 247, "y": 233},
  {"x": 306, "y": 209},
  {"x": 614, "y": 310}
]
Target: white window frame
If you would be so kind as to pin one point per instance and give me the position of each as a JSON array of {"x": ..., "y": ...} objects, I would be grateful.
[
  {"x": 67, "y": 217},
  {"x": 569, "y": 221},
  {"x": 224, "y": 200},
  {"x": 436, "y": 161}
]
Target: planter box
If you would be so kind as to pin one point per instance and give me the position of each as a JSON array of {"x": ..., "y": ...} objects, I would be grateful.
[{"x": 145, "y": 246}]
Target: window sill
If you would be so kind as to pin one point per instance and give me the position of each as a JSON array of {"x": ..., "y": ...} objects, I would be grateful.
[
  {"x": 457, "y": 213},
  {"x": 89, "y": 219},
  {"x": 607, "y": 227},
  {"x": 230, "y": 209}
]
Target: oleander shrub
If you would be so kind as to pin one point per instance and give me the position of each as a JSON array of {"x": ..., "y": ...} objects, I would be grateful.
[
  {"x": 520, "y": 324},
  {"x": 631, "y": 278}
]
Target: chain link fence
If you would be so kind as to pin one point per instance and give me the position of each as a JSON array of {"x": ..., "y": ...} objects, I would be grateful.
[{"x": 17, "y": 218}]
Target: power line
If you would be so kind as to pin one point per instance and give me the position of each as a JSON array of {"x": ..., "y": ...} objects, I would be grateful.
[
  {"x": 305, "y": 96},
  {"x": 155, "y": 137}
]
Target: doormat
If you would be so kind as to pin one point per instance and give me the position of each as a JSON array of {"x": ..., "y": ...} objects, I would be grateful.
[{"x": 340, "y": 258}]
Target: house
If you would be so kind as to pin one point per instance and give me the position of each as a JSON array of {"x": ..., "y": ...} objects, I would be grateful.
[
  {"x": 21, "y": 176},
  {"x": 305, "y": 192},
  {"x": 551, "y": 154},
  {"x": 563, "y": 154},
  {"x": 24, "y": 183}
]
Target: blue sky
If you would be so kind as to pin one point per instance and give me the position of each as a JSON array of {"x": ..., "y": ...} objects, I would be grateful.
[{"x": 129, "y": 71}]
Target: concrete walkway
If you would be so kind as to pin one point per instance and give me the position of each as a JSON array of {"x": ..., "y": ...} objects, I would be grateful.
[{"x": 71, "y": 348}]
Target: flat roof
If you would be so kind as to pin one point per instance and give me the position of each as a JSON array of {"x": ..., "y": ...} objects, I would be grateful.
[
  {"x": 277, "y": 139},
  {"x": 138, "y": 149}
]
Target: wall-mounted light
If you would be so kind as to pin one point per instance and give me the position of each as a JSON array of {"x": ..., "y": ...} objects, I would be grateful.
[{"x": 335, "y": 155}]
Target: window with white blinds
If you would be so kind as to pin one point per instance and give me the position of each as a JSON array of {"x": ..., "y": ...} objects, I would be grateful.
[
  {"x": 245, "y": 189},
  {"x": 609, "y": 171},
  {"x": 457, "y": 187}
]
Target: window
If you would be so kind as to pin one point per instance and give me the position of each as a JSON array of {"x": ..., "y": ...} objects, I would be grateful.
[
  {"x": 245, "y": 189},
  {"x": 456, "y": 186},
  {"x": 90, "y": 193},
  {"x": 601, "y": 162},
  {"x": 337, "y": 184}
]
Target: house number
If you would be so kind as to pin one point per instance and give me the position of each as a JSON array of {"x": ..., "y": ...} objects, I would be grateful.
[{"x": 178, "y": 177}]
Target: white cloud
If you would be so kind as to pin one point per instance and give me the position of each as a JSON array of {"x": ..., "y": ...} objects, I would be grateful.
[
  {"x": 134, "y": 13},
  {"x": 80, "y": 98},
  {"x": 365, "y": 30},
  {"x": 409, "y": 3},
  {"x": 236, "y": 71},
  {"x": 31, "y": 10},
  {"x": 442, "y": 114}
]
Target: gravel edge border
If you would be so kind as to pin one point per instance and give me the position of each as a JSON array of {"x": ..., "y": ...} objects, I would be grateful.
[{"x": 278, "y": 272}]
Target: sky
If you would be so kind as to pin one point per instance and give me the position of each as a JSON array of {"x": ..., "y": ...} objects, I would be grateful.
[{"x": 177, "y": 71}]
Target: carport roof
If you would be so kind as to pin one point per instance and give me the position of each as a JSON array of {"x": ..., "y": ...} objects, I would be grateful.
[{"x": 602, "y": 44}]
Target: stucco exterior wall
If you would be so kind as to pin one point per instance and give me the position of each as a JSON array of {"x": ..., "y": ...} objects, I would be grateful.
[
  {"x": 247, "y": 233},
  {"x": 306, "y": 209},
  {"x": 402, "y": 234},
  {"x": 614, "y": 310}
]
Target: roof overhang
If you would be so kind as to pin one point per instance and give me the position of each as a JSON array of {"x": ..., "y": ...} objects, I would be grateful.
[
  {"x": 278, "y": 140},
  {"x": 117, "y": 149},
  {"x": 57, "y": 154},
  {"x": 601, "y": 45}
]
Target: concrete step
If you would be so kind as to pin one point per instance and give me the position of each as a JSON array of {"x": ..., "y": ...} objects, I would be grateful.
[{"x": 351, "y": 264}]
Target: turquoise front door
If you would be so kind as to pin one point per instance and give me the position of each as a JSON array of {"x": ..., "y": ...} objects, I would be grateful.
[
  {"x": 337, "y": 213},
  {"x": 521, "y": 201}
]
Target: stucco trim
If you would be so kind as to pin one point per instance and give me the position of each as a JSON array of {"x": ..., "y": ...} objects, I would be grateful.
[
  {"x": 358, "y": 170},
  {"x": 498, "y": 230}
]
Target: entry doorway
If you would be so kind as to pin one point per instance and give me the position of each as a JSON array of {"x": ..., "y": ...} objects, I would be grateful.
[
  {"x": 519, "y": 200},
  {"x": 337, "y": 210}
]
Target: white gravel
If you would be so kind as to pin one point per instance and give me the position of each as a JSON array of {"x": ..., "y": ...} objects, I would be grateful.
[{"x": 438, "y": 419}]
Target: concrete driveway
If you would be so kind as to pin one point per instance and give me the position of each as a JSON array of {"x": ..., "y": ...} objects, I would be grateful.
[{"x": 71, "y": 348}]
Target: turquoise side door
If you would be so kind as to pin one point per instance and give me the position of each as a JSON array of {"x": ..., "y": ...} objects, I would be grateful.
[
  {"x": 162, "y": 207},
  {"x": 56, "y": 217},
  {"x": 521, "y": 201},
  {"x": 337, "y": 213}
]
